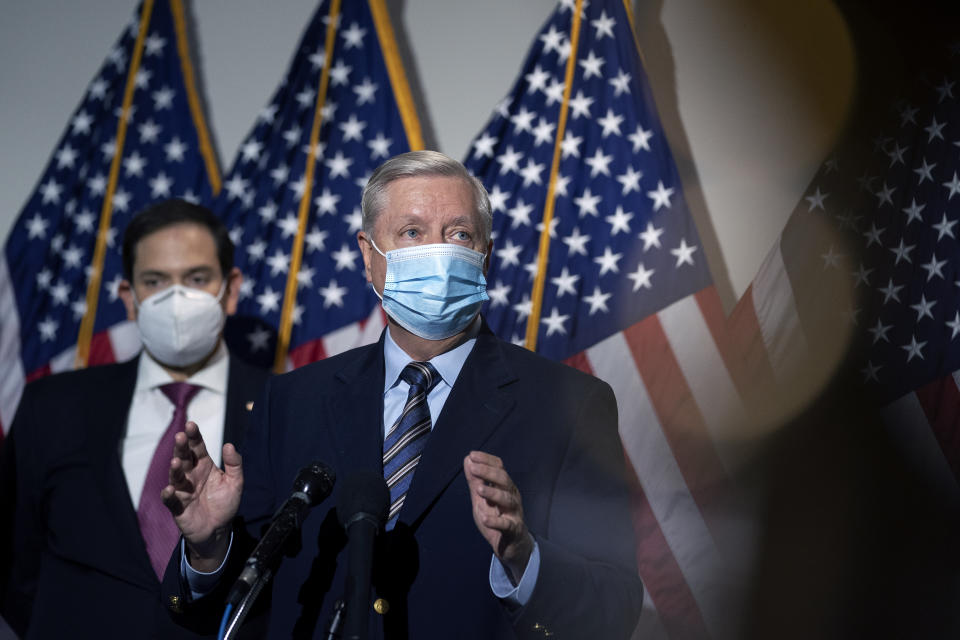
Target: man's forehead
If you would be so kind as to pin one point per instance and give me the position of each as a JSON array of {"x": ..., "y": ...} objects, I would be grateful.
[{"x": 178, "y": 244}]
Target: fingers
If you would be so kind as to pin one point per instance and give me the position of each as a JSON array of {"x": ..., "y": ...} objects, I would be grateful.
[
  {"x": 232, "y": 462},
  {"x": 496, "y": 499}
]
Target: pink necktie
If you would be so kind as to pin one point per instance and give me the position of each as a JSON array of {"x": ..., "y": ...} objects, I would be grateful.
[{"x": 159, "y": 531}]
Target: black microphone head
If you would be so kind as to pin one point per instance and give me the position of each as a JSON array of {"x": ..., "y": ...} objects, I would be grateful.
[
  {"x": 363, "y": 495},
  {"x": 315, "y": 481}
]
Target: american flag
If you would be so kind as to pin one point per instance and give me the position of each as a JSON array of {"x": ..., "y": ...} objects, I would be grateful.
[
  {"x": 627, "y": 296},
  {"x": 346, "y": 77},
  {"x": 48, "y": 260},
  {"x": 870, "y": 255}
]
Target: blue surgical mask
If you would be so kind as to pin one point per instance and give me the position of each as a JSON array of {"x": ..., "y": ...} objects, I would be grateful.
[{"x": 433, "y": 290}]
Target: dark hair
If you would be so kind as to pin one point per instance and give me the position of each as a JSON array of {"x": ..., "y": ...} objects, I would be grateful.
[{"x": 168, "y": 213}]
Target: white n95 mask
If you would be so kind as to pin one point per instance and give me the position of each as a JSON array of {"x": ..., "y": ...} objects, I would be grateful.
[
  {"x": 433, "y": 290},
  {"x": 180, "y": 325}
]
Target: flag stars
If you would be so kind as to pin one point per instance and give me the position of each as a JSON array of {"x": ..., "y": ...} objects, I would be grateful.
[
  {"x": 365, "y": 91},
  {"x": 621, "y": 83},
  {"x": 340, "y": 73},
  {"x": 537, "y": 79},
  {"x": 580, "y": 105},
  {"x": 641, "y": 278},
  {"x": 553, "y": 227},
  {"x": 660, "y": 196},
  {"x": 619, "y": 221},
  {"x": 870, "y": 372},
  {"x": 523, "y": 308},
  {"x": 914, "y": 349},
  {"x": 269, "y": 300},
  {"x": 953, "y": 185},
  {"x": 327, "y": 202},
  {"x": 160, "y": 186},
  {"x": 483, "y": 146},
  {"x": 935, "y": 130},
  {"x": 520, "y": 214},
  {"x": 509, "y": 160},
  {"x": 608, "y": 261},
  {"x": 896, "y": 154},
  {"x": 924, "y": 172},
  {"x": 587, "y": 203},
  {"x": 565, "y": 283},
  {"x": 885, "y": 194},
  {"x": 576, "y": 243},
  {"x": 902, "y": 252},
  {"x": 259, "y": 339},
  {"x": 43, "y": 279},
  {"x": 279, "y": 263},
  {"x": 816, "y": 200},
  {"x": 251, "y": 151},
  {"x": 163, "y": 99},
  {"x": 570, "y": 145},
  {"x": 236, "y": 187},
  {"x": 554, "y": 93},
  {"x": 353, "y": 36},
  {"x": 509, "y": 254},
  {"x": 944, "y": 227},
  {"x": 683, "y": 253},
  {"x": 339, "y": 165},
  {"x": 289, "y": 225},
  {"x": 332, "y": 294},
  {"x": 531, "y": 173},
  {"x": 256, "y": 251},
  {"x": 498, "y": 198},
  {"x": 113, "y": 287},
  {"x": 873, "y": 234},
  {"x": 345, "y": 257},
  {"x": 599, "y": 163},
  {"x": 610, "y": 123},
  {"x": 640, "y": 139},
  {"x": 880, "y": 331},
  {"x": 60, "y": 293},
  {"x": 316, "y": 239},
  {"x": 175, "y": 150},
  {"x": 954, "y": 325},
  {"x": 84, "y": 222},
  {"x": 891, "y": 291},
  {"x": 522, "y": 120},
  {"x": 862, "y": 276},
  {"x": 499, "y": 294},
  {"x": 934, "y": 267},
  {"x": 305, "y": 98},
  {"x": 66, "y": 157},
  {"x": 134, "y": 165},
  {"x": 592, "y": 65},
  {"x": 552, "y": 40},
  {"x": 597, "y": 301},
  {"x": 945, "y": 90},
  {"x": 554, "y": 322},
  {"x": 913, "y": 211},
  {"x": 831, "y": 259},
  {"x": 923, "y": 308},
  {"x": 48, "y": 329},
  {"x": 380, "y": 146},
  {"x": 543, "y": 132},
  {"x": 81, "y": 123},
  {"x": 50, "y": 191},
  {"x": 148, "y": 131},
  {"x": 121, "y": 201}
]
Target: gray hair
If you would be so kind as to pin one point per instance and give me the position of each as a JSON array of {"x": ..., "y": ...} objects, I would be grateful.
[{"x": 415, "y": 164}]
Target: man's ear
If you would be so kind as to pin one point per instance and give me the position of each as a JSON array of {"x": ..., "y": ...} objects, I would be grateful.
[
  {"x": 232, "y": 294},
  {"x": 125, "y": 291},
  {"x": 367, "y": 252},
  {"x": 486, "y": 261}
]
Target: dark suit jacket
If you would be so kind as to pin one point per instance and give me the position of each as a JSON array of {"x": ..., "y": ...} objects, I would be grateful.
[
  {"x": 556, "y": 430},
  {"x": 76, "y": 565}
]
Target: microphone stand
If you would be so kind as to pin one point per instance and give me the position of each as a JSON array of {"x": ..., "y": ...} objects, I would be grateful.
[{"x": 243, "y": 608}]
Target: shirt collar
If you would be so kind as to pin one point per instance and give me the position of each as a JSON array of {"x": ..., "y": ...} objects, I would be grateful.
[
  {"x": 447, "y": 364},
  {"x": 213, "y": 377}
]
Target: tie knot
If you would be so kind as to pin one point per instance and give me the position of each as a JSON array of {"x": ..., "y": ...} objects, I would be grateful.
[
  {"x": 421, "y": 375},
  {"x": 180, "y": 393}
]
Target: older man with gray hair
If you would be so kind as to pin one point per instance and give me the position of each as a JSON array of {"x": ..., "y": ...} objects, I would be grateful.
[{"x": 508, "y": 509}]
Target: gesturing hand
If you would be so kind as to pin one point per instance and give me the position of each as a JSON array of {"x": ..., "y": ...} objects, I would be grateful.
[
  {"x": 498, "y": 511},
  {"x": 202, "y": 498}
]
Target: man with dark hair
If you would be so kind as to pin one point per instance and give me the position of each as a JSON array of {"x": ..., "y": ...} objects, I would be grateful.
[
  {"x": 88, "y": 451},
  {"x": 508, "y": 508}
]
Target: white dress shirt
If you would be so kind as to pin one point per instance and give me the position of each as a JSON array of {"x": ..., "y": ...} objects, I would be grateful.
[{"x": 151, "y": 412}]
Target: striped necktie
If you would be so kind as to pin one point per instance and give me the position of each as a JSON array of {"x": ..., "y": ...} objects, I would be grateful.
[{"x": 405, "y": 440}]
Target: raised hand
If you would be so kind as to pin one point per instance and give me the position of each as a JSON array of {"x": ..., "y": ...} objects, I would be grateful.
[
  {"x": 202, "y": 498},
  {"x": 498, "y": 511}
]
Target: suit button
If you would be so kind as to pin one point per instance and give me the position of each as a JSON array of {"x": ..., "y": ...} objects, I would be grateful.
[
  {"x": 175, "y": 604},
  {"x": 381, "y": 606}
]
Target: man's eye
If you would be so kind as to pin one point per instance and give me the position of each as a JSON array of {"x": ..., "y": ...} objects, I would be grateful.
[
  {"x": 462, "y": 236},
  {"x": 410, "y": 233}
]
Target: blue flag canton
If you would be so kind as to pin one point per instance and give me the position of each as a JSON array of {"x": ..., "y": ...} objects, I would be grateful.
[
  {"x": 623, "y": 244},
  {"x": 361, "y": 128},
  {"x": 50, "y": 248},
  {"x": 893, "y": 205}
]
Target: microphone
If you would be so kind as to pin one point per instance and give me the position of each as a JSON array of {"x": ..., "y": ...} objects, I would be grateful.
[
  {"x": 362, "y": 510},
  {"x": 311, "y": 487}
]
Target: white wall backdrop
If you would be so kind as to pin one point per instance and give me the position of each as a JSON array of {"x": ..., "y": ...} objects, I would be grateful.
[{"x": 752, "y": 92}]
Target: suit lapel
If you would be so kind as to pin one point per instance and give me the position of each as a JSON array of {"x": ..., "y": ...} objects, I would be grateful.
[
  {"x": 475, "y": 407},
  {"x": 356, "y": 411},
  {"x": 107, "y": 425},
  {"x": 244, "y": 387}
]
